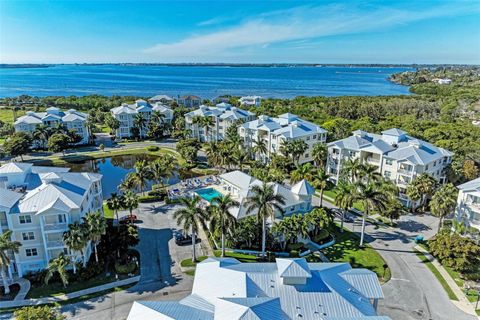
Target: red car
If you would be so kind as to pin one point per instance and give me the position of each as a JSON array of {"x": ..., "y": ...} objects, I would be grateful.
[{"x": 127, "y": 218}]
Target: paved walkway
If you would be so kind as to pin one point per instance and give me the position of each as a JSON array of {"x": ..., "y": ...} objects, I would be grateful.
[
  {"x": 24, "y": 288},
  {"x": 462, "y": 303}
]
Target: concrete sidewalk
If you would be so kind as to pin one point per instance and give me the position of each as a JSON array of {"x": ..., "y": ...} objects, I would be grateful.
[{"x": 462, "y": 302}]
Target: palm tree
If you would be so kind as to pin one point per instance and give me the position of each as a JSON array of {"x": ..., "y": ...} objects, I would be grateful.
[
  {"x": 142, "y": 174},
  {"x": 127, "y": 184},
  {"x": 41, "y": 134},
  {"x": 443, "y": 202},
  {"x": 140, "y": 122},
  {"x": 319, "y": 154},
  {"x": 203, "y": 122},
  {"x": 370, "y": 173},
  {"x": 320, "y": 181},
  {"x": 158, "y": 171},
  {"x": 373, "y": 198},
  {"x": 220, "y": 216},
  {"x": 426, "y": 186},
  {"x": 95, "y": 227},
  {"x": 240, "y": 157},
  {"x": 76, "y": 240},
  {"x": 212, "y": 151},
  {"x": 259, "y": 147},
  {"x": 286, "y": 149},
  {"x": 57, "y": 265},
  {"x": 304, "y": 171},
  {"x": 352, "y": 169},
  {"x": 115, "y": 203},
  {"x": 298, "y": 149},
  {"x": 130, "y": 202},
  {"x": 266, "y": 202},
  {"x": 157, "y": 117},
  {"x": 6, "y": 245},
  {"x": 344, "y": 198},
  {"x": 190, "y": 217},
  {"x": 413, "y": 193}
]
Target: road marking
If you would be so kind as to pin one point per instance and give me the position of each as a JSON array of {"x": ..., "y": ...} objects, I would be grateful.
[{"x": 398, "y": 279}]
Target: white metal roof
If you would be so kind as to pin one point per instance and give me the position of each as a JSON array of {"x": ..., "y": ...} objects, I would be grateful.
[
  {"x": 406, "y": 148},
  {"x": 287, "y": 125},
  {"x": 15, "y": 167},
  {"x": 237, "y": 290}
]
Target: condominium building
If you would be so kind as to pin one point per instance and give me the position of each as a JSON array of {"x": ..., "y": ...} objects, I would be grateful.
[
  {"x": 189, "y": 101},
  {"x": 225, "y": 288},
  {"x": 254, "y": 101},
  {"x": 53, "y": 117},
  {"x": 298, "y": 198},
  {"x": 162, "y": 99},
  {"x": 126, "y": 114},
  {"x": 37, "y": 204},
  {"x": 223, "y": 116},
  {"x": 275, "y": 131},
  {"x": 468, "y": 204},
  {"x": 398, "y": 157}
]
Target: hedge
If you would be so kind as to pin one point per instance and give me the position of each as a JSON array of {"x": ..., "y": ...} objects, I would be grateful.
[
  {"x": 153, "y": 148},
  {"x": 125, "y": 268},
  {"x": 143, "y": 199}
]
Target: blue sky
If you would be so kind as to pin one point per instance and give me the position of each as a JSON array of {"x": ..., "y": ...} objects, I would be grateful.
[{"x": 420, "y": 31}]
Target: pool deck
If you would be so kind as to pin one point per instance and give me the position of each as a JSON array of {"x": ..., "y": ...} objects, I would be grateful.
[{"x": 187, "y": 186}]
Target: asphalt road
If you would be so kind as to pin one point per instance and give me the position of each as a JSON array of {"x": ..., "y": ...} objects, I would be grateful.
[
  {"x": 161, "y": 277},
  {"x": 413, "y": 292}
]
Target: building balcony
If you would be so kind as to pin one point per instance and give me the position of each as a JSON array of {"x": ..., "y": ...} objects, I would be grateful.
[
  {"x": 406, "y": 172},
  {"x": 55, "y": 244},
  {"x": 474, "y": 206},
  {"x": 373, "y": 160},
  {"x": 55, "y": 227}
]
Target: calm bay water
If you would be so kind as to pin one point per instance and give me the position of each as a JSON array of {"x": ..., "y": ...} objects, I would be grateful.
[{"x": 206, "y": 82}]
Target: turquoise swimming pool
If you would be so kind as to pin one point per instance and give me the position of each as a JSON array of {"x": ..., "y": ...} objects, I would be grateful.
[{"x": 208, "y": 194}]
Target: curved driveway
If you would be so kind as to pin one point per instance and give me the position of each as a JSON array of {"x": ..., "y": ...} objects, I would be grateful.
[{"x": 413, "y": 293}]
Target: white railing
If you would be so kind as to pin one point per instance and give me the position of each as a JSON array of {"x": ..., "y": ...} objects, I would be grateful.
[
  {"x": 55, "y": 243},
  {"x": 55, "y": 226},
  {"x": 405, "y": 171},
  {"x": 373, "y": 160}
]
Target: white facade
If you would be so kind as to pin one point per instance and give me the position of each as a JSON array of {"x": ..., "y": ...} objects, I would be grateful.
[
  {"x": 71, "y": 120},
  {"x": 225, "y": 288},
  {"x": 253, "y": 101},
  {"x": 223, "y": 116},
  {"x": 298, "y": 198},
  {"x": 468, "y": 204},
  {"x": 398, "y": 156},
  {"x": 37, "y": 204},
  {"x": 125, "y": 114},
  {"x": 275, "y": 131}
]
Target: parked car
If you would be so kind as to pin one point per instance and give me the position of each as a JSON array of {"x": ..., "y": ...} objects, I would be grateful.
[
  {"x": 181, "y": 239},
  {"x": 347, "y": 217},
  {"x": 356, "y": 212},
  {"x": 127, "y": 218}
]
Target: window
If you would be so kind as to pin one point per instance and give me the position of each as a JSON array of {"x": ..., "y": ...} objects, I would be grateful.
[
  {"x": 28, "y": 236},
  {"x": 25, "y": 219},
  {"x": 388, "y": 162},
  {"x": 31, "y": 252},
  {"x": 308, "y": 138},
  {"x": 314, "y": 137},
  {"x": 61, "y": 218},
  {"x": 426, "y": 167},
  {"x": 306, "y": 155},
  {"x": 387, "y": 174},
  {"x": 435, "y": 163}
]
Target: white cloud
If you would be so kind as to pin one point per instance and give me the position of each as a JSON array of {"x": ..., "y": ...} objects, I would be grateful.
[{"x": 298, "y": 24}]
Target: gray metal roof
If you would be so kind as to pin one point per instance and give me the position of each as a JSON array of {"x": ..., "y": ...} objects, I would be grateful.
[
  {"x": 256, "y": 291},
  {"x": 473, "y": 185}
]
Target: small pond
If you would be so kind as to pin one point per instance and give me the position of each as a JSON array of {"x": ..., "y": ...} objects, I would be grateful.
[{"x": 114, "y": 169}]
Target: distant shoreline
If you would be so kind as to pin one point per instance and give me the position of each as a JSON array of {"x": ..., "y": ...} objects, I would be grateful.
[{"x": 235, "y": 65}]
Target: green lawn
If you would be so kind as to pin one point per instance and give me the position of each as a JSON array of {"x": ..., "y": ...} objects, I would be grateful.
[
  {"x": 347, "y": 249},
  {"x": 57, "y": 289},
  {"x": 239, "y": 256},
  {"x": 6, "y": 115},
  {"x": 187, "y": 263},
  {"x": 437, "y": 274},
  {"x": 108, "y": 214},
  {"x": 332, "y": 194},
  {"x": 61, "y": 160}
]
